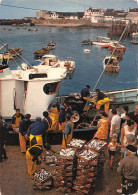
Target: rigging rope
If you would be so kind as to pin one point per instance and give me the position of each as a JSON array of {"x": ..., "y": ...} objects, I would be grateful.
[
  {"x": 106, "y": 65},
  {"x": 22, "y": 58}
]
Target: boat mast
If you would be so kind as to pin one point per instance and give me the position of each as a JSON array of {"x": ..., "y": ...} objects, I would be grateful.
[{"x": 107, "y": 64}]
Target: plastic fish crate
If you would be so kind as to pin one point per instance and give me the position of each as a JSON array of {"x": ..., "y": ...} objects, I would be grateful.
[
  {"x": 75, "y": 143},
  {"x": 89, "y": 156},
  {"x": 48, "y": 177},
  {"x": 95, "y": 142},
  {"x": 66, "y": 154}
]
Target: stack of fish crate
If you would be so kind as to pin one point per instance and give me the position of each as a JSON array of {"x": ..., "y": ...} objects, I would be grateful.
[
  {"x": 86, "y": 171},
  {"x": 98, "y": 146},
  {"x": 50, "y": 160},
  {"x": 42, "y": 180},
  {"x": 76, "y": 144},
  {"x": 63, "y": 173}
]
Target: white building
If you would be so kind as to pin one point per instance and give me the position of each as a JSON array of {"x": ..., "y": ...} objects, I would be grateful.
[
  {"x": 40, "y": 14},
  {"x": 54, "y": 15},
  {"x": 93, "y": 13}
]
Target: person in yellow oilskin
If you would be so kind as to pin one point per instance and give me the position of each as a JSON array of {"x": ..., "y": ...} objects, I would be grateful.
[
  {"x": 67, "y": 132},
  {"x": 32, "y": 155},
  {"x": 36, "y": 130},
  {"x": 102, "y": 99},
  {"x": 53, "y": 110}
]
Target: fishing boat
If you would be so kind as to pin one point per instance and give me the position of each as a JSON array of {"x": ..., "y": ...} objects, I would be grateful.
[
  {"x": 120, "y": 47},
  {"x": 118, "y": 54},
  {"x": 112, "y": 65},
  {"x": 134, "y": 34},
  {"x": 86, "y": 50},
  {"x": 15, "y": 51},
  {"x": 104, "y": 42},
  {"x": 86, "y": 42},
  {"x": 51, "y": 45},
  {"x": 41, "y": 52},
  {"x": 53, "y": 61},
  {"x": 134, "y": 41},
  {"x": 30, "y": 89}
]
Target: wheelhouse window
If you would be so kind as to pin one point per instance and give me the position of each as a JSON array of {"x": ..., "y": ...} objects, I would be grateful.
[{"x": 51, "y": 88}]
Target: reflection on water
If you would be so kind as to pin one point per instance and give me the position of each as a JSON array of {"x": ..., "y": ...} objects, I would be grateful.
[{"x": 111, "y": 74}]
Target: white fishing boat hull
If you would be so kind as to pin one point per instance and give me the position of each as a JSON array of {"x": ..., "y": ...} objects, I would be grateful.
[{"x": 30, "y": 90}]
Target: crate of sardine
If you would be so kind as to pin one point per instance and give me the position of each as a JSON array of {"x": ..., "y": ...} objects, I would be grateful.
[
  {"x": 50, "y": 160},
  {"x": 96, "y": 145},
  {"x": 87, "y": 155},
  {"x": 76, "y": 143},
  {"x": 42, "y": 176},
  {"x": 66, "y": 154}
]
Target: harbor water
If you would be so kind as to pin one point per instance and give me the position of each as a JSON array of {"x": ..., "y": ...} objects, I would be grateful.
[{"x": 68, "y": 47}]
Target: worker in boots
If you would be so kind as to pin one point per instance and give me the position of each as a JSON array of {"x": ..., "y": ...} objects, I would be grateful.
[
  {"x": 23, "y": 127},
  {"x": 32, "y": 155},
  {"x": 67, "y": 132},
  {"x": 62, "y": 118},
  {"x": 53, "y": 111}
]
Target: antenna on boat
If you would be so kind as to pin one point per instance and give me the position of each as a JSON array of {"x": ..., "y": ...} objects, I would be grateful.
[{"x": 107, "y": 64}]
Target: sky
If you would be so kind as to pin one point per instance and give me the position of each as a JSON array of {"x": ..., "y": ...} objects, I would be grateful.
[{"x": 59, "y": 5}]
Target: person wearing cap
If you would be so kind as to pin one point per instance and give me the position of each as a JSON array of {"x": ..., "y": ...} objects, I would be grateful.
[
  {"x": 36, "y": 130},
  {"x": 102, "y": 99},
  {"x": 85, "y": 92},
  {"x": 61, "y": 118},
  {"x": 32, "y": 155},
  {"x": 67, "y": 132},
  {"x": 16, "y": 118},
  {"x": 23, "y": 127},
  {"x": 128, "y": 168},
  {"x": 53, "y": 110}
]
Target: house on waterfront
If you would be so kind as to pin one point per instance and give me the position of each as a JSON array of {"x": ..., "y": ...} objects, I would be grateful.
[
  {"x": 133, "y": 15},
  {"x": 114, "y": 15},
  {"x": 59, "y": 15}
]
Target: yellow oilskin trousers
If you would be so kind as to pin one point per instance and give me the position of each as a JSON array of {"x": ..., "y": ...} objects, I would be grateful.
[
  {"x": 54, "y": 117},
  {"x": 38, "y": 139},
  {"x": 66, "y": 140},
  {"x": 22, "y": 141},
  {"x": 104, "y": 102},
  {"x": 32, "y": 167},
  {"x": 62, "y": 126}
]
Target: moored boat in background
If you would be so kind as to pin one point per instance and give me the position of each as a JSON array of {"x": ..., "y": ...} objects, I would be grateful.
[
  {"x": 113, "y": 45},
  {"x": 40, "y": 52},
  {"x": 134, "y": 41},
  {"x": 86, "y": 42},
  {"x": 15, "y": 51},
  {"x": 112, "y": 65},
  {"x": 86, "y": 50}
]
